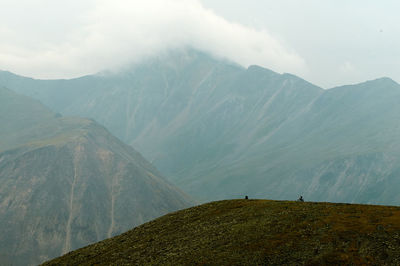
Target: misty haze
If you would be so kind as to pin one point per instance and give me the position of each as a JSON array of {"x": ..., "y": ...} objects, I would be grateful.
[{"x": 171, "y": 132}]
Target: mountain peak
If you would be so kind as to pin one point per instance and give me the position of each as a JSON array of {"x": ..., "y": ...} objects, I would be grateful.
[
  {"x": 259, "y": 69},
  {"x": 384, "y": 80}
]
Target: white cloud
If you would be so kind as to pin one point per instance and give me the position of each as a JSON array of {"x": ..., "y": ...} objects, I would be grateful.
[
  {"x": 111, "y": 33},
  {"x": 347, "y": 67}
]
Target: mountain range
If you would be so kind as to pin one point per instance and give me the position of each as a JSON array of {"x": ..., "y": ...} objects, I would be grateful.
[
  {"x": 218, "y": 130},
  {"x": 66, "y": 182}
]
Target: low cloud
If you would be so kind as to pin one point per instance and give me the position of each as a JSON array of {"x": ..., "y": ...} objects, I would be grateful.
[
  {"x": 111, "y": 34},
  {"x": 347, "y": 67}
]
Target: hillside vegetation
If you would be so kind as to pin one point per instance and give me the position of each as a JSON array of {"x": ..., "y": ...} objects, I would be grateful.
[{"x": 255, "y": 232}]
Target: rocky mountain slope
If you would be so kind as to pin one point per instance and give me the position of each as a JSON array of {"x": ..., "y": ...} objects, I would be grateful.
[
  {"x": 220, "y": 131},
  {"x": 255, "y": 232},
  {"x": 67, "y": 182}
]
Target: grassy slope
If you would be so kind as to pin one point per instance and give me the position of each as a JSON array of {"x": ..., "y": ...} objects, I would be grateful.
[{"x": 255, "y": 232}]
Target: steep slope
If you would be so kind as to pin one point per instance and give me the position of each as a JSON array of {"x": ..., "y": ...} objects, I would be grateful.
[
  {"x": 221, "y": 131},
  {"x": 74, "y": 185},
  {"x": 355, "y": 139},
  {"x": 255, "y": 232},
  {"x": 344, "y": 147},
  {"x": 180, "y": 97},
  {"x": 216, "y": 109}
]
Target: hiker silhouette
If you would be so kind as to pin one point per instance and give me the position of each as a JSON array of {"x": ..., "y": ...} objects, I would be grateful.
[{"x": 301, "y": 199}]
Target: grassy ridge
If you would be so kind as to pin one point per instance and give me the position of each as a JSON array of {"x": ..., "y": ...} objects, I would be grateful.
[{"x": 255, "y": 232}]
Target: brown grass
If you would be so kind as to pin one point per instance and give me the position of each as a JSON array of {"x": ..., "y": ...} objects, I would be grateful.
[{"x": 255, "y": 232}]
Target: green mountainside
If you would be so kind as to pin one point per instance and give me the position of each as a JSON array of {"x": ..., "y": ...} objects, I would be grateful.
[
  {"x": 67, "y": 182},
  {"x": 255, "y": 232},
  {"x": 21, "y": 119},
  {"x": 218, "y": 130}
]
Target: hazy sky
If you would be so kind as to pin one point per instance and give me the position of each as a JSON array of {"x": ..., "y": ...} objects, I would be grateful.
[{"x": 329, "y": 42}]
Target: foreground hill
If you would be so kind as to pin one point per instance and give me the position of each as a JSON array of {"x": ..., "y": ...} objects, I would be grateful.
[
  {"x": 67, "y": 182},
  {"x": 255, "y": 232},
  {"x": 219, "y": 131}
]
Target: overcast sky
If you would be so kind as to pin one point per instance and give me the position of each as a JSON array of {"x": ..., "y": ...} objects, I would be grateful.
[{"x": 329, "y": 42}]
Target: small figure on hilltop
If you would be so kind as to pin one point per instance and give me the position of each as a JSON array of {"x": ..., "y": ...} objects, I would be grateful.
[
  {"x": 301, "y": 199},
  {"x": 246, "y": 197}
]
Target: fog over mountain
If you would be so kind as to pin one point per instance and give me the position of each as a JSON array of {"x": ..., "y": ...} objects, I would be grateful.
[
  {"x": 102, "y": 35},
  {"x": 219, "y": 130},
  {"x": 72, "y": 38},
  {"x": 67, "y": 182}
]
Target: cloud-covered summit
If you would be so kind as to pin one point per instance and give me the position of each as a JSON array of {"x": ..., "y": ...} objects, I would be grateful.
[{"x": 68, "y": 39}]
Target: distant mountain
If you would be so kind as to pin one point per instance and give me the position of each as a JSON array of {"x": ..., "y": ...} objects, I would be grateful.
[
  {"x": 67, "y": 182},
  {"x": 21, "y": 118},
  {"x": 220, "y": 131},
  {"x": 255, "y": 232}
]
